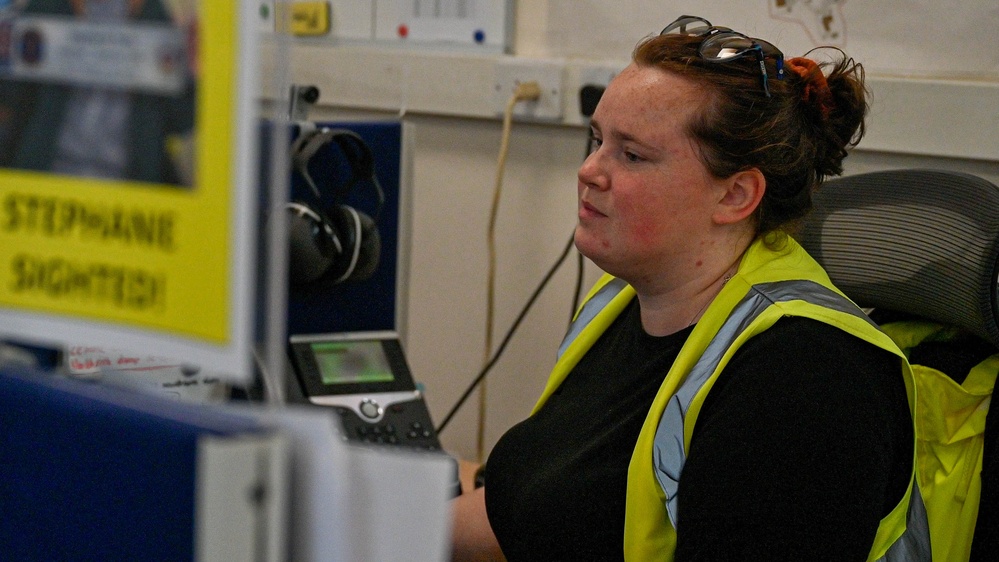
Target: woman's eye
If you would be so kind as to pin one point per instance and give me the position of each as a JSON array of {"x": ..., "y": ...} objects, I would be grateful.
[
  {"x": 632, "y": 157},
  {"x": 593, "y": 144}
]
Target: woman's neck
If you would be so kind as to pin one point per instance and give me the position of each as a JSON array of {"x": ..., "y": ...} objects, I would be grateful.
[{"x": 669, "y": 312}]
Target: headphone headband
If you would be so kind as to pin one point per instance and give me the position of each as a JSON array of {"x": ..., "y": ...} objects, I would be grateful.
[{"x": 356, "y": 153}]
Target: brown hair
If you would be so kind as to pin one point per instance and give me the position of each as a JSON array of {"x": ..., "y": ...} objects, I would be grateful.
[{"x": 794, "y": 137}]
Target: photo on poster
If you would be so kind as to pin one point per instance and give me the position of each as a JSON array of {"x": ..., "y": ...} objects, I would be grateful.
[{"x": 100, "y": 88}]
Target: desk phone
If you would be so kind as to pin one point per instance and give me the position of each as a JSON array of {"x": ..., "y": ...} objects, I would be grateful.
[{"x": 365, "y": 377}]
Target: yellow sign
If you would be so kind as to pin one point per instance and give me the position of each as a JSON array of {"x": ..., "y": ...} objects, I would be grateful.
[
  {"x": 117, "y": 202},
  {"x": 305, "y": 18}
]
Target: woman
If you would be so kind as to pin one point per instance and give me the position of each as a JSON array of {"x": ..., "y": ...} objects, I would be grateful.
[{"x": 716, "y": 398}]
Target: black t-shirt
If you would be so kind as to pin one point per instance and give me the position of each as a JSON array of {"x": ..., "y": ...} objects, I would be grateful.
[{"x": 801, "y": 447}]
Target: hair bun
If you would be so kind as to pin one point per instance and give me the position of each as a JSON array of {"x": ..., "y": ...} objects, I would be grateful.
[{"x": 816, "y": 91}]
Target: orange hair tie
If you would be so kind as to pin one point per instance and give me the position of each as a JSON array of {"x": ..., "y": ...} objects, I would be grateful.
[{"x": 817, "y": 90}]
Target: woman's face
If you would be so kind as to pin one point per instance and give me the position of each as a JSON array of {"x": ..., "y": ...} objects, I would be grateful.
[{"x": 645, "y": 199}]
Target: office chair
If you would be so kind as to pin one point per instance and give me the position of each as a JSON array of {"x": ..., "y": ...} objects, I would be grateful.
[{"x": 924, "y": 245}]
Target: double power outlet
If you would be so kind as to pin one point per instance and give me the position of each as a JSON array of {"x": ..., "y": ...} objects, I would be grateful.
[
  {"x": 559, "y": 82},
  {"x": 549, "y": 75}
]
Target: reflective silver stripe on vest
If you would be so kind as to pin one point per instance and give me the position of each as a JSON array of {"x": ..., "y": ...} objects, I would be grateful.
[
  {"x": 590, "y": 309},
  {"x": 668, "y": 451},
  {"x": 914, "y": 544}
]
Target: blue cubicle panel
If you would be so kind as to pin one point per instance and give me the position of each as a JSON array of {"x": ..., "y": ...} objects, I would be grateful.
[
  {"x": 362, "y": 305},
  {"x": 89, "y": 472}
]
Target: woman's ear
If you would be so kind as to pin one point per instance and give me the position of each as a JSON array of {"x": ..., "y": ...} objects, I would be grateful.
[{"x": 742, "y": 194}]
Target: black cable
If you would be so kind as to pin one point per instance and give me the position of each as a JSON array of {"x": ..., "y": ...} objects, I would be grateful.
[{"x": 509, "y": 335}]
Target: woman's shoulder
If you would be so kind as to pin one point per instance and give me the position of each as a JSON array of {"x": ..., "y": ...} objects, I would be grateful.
[
  {"x": 825, "y": 371},
  {"x": 796, "y": 347}
]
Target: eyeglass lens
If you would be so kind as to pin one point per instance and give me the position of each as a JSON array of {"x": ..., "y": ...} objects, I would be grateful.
[
  {"x": 726, "y": 46},
  {"x": 687, "y": 25}
]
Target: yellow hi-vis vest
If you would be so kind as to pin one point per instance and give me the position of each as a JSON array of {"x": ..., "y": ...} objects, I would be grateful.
[
  {"x": 951, "y": 430},
  {"x": 769, "y": 285}
]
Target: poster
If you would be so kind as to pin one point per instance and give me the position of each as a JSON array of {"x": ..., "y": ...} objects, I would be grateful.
[{"x": 127, "y": 187}]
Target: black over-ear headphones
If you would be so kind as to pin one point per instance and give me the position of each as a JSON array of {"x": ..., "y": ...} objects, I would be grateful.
[{"x": 341, "y": 244}]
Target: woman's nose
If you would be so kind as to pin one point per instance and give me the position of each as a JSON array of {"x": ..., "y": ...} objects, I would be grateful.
[{"x": 590, "y": 172}]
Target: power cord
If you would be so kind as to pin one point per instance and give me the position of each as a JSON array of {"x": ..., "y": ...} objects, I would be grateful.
[
  {"x": 509, "y": 335},
  {"x": 526, "y": 91}
]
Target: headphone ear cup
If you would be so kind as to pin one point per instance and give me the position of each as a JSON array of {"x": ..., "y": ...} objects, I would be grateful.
[
  {"x": 371, "y": 249},
  {"x": 361, "y": 244},
  {"x": 314, "y": 246}
]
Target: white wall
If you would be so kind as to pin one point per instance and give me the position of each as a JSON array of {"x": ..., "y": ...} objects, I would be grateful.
[{"x": 454, "y": 139}]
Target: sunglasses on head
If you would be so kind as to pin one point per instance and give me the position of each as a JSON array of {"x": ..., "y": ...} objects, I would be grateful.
[{"x": 721, "y": 44}]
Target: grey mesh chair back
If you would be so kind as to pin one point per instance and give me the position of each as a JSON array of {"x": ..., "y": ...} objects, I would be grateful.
[{"x": 921, "y": 242}]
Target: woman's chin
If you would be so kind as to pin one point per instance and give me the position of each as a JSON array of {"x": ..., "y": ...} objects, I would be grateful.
[{"x": 590, "y": 246}]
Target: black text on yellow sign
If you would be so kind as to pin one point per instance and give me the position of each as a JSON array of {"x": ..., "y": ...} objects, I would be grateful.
[
  {"x": 67, "y": 218},
  {"x": 89, "y": 283},
  {"x": 84, "y": 279}
]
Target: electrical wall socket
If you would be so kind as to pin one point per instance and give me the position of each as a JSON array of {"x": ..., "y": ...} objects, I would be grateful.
[
  {"x": 585, "y": 73},
  {"x": 549, "y": 76},
  {"x": 599, "y": 74}
]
